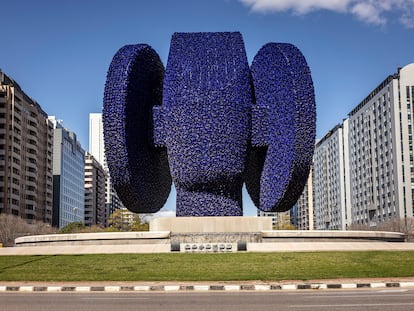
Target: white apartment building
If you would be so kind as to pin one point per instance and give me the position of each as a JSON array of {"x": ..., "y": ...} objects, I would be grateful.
[
  {"x": 305, "y": 206},
  {"x": 97, "y": 150},
  {"x": 96, "y": 141},
  {"x": 331, "y": 198},
  {"x": 381, "y": 151},
  {"x": 273, "y": 215}
]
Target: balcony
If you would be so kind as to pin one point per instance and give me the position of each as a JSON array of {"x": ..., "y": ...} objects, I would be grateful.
[
  {"x": 32, "y": 149},
  {"x": 31, "y": 174},
  {"x": 32, "y": 121},
  {"x": 14, "y": 197},
  {"x": 32, "y": 134},
  {"x": 17, "y": 125},
  {"x": 30, "y": 201},
  {"x": 30, "y": 214},
  {"x": 31, "y": 180},
  {"x": 30, "y": 190},
  {"x": 31, "y": 166},
  {"x": 32, "y": 126}
]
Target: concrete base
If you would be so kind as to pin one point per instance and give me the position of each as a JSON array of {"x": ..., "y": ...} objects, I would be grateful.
[
  {"x": 331, "y": 235},
  {"x": 211, "y": 224},
  {"x": 59, "y": 249},
  {"x": 62, "y": 249},
  {"x": 205, "y": 234},
  {"x": 101, "y": 238},
  {"x": 211, "y": 237}
]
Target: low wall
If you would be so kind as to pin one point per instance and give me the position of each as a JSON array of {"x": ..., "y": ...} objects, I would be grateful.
[
  {"x": 218, "y": 237},
  {"x": 101, "y": 238},
  {"x": 331, "y": 235},
  {"x": 204, "y": 230}
]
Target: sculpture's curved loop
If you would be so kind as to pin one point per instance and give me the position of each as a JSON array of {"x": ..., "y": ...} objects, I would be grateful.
[
  {"x": 139, "y": 172},
  {"x": 283, "y": 129}
]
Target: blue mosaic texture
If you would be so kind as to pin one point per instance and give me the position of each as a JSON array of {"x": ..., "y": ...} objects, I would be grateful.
[
  {"x": 283, "y": 131},
  {"x": 139, "y": 172},
  {"x": 206, "y": 107},
  {"x": 212, "y": 122}
]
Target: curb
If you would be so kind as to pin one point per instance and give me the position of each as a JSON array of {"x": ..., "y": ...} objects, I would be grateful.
[{"x": 206, "y": 288}]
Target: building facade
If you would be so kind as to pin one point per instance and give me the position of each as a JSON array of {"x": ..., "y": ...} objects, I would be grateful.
[
  {"x": 331, "y": 198},
  {"x": 305, "y": 206},
  {"x": 26, "y": 146},
  {"x": 96, "y": 142},
  {"x": 381, "y": 151},
  {"x": 282, "y": 220},
  {"x": 95, "y": 182},
  {"x": 68, "y": 176},
  {"x": 97, "y": 150},
  {"x": 273, "y": 215}
]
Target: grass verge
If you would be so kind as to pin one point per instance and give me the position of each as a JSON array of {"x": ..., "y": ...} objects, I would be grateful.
[{"x": 208, "y": 267}]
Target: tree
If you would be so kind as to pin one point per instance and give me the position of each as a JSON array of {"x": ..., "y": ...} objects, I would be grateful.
[
  {"x": 139, "y": 225},
  {"x": 124, "y": 220},
  {"x": 73, "y": 227},
  {"x": 12, "y": 227},
  {"x": 116, "y": 221},
  {"x": 404, "y": 225},
  {"x": 283, "y": 222}
]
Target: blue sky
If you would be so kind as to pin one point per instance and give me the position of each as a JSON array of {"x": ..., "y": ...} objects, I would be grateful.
[{"x": 59, "y": 51}]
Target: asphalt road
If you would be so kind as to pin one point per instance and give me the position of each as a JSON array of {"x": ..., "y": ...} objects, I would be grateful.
[{"x": 344, "y": 300}]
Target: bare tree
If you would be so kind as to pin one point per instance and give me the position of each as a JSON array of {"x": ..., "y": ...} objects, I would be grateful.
[
  {"x": 405, "y": 225},
  {"x": 12, "y": 227}
]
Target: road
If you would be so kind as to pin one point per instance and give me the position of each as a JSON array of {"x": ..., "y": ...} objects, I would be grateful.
[{"x": 344, "y": 300}]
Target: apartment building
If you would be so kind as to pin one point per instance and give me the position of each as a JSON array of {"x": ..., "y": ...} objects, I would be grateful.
[
  {"x": 330, "y": 173},
  {"x": 305, "y": 206},
  {"x": 381, "y": 151},
  {"x": 96, "y": 148},
  {"x": 95, "y": 181},
  {"x": 26, "y": 145}
]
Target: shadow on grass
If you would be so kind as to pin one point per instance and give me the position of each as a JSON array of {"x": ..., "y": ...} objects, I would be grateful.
[{"x": 37, "y": 258}]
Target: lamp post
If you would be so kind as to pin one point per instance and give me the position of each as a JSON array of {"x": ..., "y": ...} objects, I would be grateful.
[{"x": 75, "y": 211}]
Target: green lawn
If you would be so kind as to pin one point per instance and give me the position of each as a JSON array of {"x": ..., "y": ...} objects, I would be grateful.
[{"x": 208, "y": 267}]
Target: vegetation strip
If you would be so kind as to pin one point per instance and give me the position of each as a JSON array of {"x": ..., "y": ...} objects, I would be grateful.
[{"x": 208, "y": 267}]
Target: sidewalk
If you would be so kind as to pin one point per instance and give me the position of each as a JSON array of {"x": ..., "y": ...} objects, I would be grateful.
[{"x": 83, "y": 287}]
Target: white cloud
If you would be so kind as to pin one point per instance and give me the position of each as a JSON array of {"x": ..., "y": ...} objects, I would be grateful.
[
  {"x": 408, "y": 20},
  {"x": 370, "y": 11},
  {"x": 367, "y": 12},
  {"x": 297, "y": 6}
]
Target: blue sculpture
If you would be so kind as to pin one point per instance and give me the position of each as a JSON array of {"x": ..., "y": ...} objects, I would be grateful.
[{"x": 210, "y": 124}]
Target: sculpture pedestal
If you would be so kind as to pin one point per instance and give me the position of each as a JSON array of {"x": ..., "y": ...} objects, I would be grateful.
[
  {"x": 228, "y": 224},
  {"x": 213, "y": 229}
]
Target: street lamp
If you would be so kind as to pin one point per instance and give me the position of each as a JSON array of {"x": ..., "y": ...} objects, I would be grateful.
[{"x": 75, "y": 211}]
